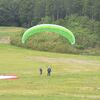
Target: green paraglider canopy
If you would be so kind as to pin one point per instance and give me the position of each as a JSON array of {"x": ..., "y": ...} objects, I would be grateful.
[{"x": 49, "y": 28}]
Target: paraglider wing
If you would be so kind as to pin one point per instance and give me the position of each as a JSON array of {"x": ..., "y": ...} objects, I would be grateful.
[{"x": 49, "y": 28}]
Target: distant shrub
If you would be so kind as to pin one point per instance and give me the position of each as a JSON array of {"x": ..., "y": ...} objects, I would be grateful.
[{"x": 86, "y": 32}]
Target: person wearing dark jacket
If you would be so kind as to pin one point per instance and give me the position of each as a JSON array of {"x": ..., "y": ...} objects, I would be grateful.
[
  {"x": 49, "y": 71},
  {"x": 41, "y": 71}
]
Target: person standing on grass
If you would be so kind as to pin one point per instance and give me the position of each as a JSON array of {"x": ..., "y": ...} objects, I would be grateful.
[
  {"x": 49, "y": 71},
  {"x": 41, "y": 71}
]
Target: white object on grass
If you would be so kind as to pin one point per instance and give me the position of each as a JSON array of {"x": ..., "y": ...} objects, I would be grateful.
[{"x": 8, "y": 77}]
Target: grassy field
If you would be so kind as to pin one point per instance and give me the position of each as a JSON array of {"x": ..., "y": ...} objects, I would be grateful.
[
  {"x": 8, "y": 31},
  {"x": 74, "y": 77}
]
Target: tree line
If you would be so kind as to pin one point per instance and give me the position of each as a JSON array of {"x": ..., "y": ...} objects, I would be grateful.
[{"x": 30, "y": 12}]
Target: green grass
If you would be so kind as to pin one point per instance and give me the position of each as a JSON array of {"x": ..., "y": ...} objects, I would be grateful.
[
  {"x": 74, "y": 77},
  {"x": 9, "y": 31}
]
